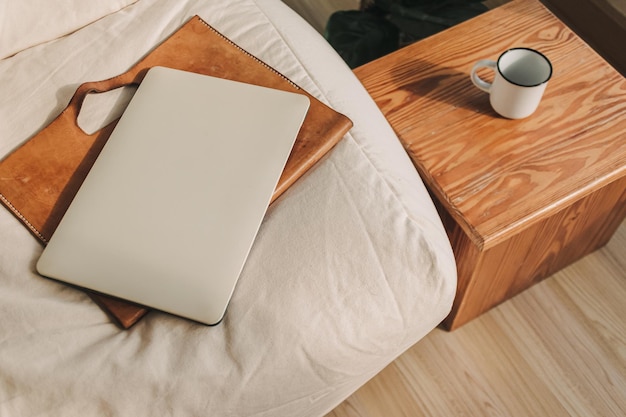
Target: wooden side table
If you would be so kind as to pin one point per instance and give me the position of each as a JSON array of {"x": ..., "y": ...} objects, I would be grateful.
[{"x": 520, "y": 199}]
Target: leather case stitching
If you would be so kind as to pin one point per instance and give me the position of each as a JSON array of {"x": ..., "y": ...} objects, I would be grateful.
[{"x": 22, "y": 218}]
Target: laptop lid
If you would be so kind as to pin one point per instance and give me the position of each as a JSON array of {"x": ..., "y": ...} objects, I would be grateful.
[{"x": 169, "y": 211}]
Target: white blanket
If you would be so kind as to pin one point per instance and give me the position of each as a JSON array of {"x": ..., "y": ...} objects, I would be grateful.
[{"x": 350, "y": 268}]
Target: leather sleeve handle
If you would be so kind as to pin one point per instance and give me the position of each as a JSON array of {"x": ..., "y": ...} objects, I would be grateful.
[{"x": 132, "y": 77}]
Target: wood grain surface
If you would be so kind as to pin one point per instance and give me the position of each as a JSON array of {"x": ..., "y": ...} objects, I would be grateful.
[
  {"x": 520, "y": 199},
  {"x": 493, "y": 275},
  {"x": 494, "y": 174}
]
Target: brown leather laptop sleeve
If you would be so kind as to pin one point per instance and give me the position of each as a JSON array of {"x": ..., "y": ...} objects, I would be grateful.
[{"x": 39, "y": 179}]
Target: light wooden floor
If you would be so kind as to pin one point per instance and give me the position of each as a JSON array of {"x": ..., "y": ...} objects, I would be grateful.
[{"x": 558, "y": 349}]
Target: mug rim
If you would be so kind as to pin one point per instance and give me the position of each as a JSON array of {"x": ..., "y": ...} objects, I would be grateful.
[{"x": 527, "y": 49}]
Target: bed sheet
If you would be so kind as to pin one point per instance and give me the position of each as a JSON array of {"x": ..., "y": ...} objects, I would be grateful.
[
  {"x": 351, "y": 265},
  {"x": 26, "y": 23}
]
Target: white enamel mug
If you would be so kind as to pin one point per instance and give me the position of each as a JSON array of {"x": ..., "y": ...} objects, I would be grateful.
[{"x": 521, "y": 78}]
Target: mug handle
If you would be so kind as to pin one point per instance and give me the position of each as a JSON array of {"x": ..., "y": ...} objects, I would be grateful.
[{"x": 479, "y": 82}]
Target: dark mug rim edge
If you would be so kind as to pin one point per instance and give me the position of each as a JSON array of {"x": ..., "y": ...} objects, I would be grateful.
[{"x": 527, "y": 49}]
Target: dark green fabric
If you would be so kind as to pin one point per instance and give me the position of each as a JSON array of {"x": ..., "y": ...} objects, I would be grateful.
[{"x": 362, "y": 36}]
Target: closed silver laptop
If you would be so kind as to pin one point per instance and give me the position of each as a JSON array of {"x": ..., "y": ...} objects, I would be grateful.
[{"x": 169, "y": 211}]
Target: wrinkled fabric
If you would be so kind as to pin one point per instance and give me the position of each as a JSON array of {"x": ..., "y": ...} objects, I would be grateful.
[
  {"x": 25, "y": 23},
  {"x": 351, "y": 265}
]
